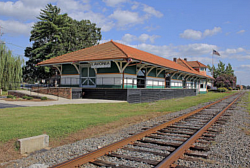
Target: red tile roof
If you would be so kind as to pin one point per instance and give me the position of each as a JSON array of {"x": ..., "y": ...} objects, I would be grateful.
[
  {"x": 196, "y": 64},
  {"x": 185, "y": 64},
  {"x": 112, "y": 50}
]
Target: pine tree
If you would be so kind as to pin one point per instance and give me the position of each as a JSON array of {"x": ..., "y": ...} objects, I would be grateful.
[{"x": 53, "y": 35}]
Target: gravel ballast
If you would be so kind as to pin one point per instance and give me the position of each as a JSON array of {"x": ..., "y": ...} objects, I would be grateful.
[{"x": 231, "y": 148}]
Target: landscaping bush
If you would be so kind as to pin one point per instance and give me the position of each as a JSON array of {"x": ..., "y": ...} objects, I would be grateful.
[
  {"x": 229, "y": 88},
  {"x": 222, "y": 89},
  {"x": 10, "y": 96},
  {"x": 25, "y": 97},
  {"x": 44, "y": 98},
  {"x": 30, "y": 98}
]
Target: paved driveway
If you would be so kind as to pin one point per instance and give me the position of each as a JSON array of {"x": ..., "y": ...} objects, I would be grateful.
[{"x": 5, "y": 105}]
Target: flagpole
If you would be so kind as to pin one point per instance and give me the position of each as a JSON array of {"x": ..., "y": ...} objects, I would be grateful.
[{"x": 213, "y": 68}]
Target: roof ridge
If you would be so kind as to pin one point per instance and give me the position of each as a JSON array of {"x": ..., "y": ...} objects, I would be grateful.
[
  {"x": 187, "y": 64},
  {"x": 119, "y": 48}
]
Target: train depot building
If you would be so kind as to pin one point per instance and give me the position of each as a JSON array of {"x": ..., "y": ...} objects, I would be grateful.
[{"x": 116, "y": 71}]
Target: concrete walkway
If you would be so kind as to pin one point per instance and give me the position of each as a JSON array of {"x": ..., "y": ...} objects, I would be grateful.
[{"x": 55, "y": 101}]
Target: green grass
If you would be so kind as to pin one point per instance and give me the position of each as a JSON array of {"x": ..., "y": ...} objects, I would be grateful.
[
  {"x": 248, "y": 107},
  {"x": 4, "y": 93},
  {"x": 60, "y": 120}
]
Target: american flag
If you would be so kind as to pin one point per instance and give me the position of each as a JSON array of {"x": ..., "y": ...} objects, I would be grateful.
[{"x": 216, "y": 53}]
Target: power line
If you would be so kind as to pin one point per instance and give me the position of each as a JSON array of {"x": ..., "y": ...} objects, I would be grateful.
[{"x": 15, "y": 45}]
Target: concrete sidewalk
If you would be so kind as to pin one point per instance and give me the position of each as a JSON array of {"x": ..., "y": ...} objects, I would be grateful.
[{"x": 54, "y": 101}]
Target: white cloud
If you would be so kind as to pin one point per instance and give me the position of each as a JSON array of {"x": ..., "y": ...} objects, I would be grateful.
[
  {"x": 212, "y": 32},
  {"x": 241, "y": 32},
  {"x": 245, "y": 67},
  {"x": 163, "y": 51},
  {"x": 18, "y": 10},
  {"x": 37, "y": 3},
  {"x": 128, "y": 38},
  {"x": 233, "y": 51},
  {"x": 196, "y": 49},
  {"x": 191, "y": 34},
  {"x": 150, "y": 10},
  {"x": 126, "y": 18},
  {"x": 197, "y": 35},
  {"x": 72, "y": 5},
  {"x": 151, "y": 28},
  {"x": 192, "y": 51},
  {"x": 241, "y": 57},
  {"x": 99, "y": 19},
  {"x": 114, "y": 3},
  {"x": 135, "y": 5},
  {"x": 16, "y": 28},
  {"x": 144, "y": 37}
]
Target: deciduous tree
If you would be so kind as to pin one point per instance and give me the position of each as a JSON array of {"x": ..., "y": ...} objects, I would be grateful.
[{"x": 10, "y": 69}]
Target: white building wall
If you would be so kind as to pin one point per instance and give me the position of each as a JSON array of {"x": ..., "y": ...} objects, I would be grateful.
[
  {"x": 176, "y": 83},
  {"x": 108, "y": 79},
  {"x": 130, "y": 79},
  {"x": 70, "y": 80},
  {"x": 155, "y": 82}
]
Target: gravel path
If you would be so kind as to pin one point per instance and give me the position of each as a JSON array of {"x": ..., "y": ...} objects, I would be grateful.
[{"x": 231, "y": 155}]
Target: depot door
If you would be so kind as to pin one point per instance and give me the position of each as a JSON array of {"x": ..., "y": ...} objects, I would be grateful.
[{"x": 88, "y": 77}]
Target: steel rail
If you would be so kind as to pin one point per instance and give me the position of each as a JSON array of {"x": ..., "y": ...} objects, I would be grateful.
[
  {"x": 85, "y": 158},
  {"x": 178, "y": 153}
]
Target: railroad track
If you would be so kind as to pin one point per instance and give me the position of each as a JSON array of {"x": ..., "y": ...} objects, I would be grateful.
[{"x": 184, "y": 138}]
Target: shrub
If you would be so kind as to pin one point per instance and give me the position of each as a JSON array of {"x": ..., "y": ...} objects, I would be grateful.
[
  {"x": 10, "y": 96},
  {"x": 44, "y": 98},
  {"x": 30, "y": 98},
  {"x": 229, "y": 88},
  {"x": 25, "y": 97},
  {"x": 222, "y": 89}
]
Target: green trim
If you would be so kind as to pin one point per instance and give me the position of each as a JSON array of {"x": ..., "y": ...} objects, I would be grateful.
[
  {"x": 130, "y": 86},
  {"x": 109, "y": 86},
  {"x": 176, "y": 87},
  {"x": 61, "y": 85},
  {"x": 162, "y": 74},
  {"x": 152, "y": 73},
  {"x": 155, "y": 87},
  {"x": 112, "y": 69},
  {"x": 69, "y": 69},
  {"x": 203, "y": 92},
  {"x": 130, "y": 70}
]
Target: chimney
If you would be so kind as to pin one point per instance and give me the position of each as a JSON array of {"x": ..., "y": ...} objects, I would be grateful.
[
  {"x": 185, "y": 59},
  {"x": 174, "y": 59}
]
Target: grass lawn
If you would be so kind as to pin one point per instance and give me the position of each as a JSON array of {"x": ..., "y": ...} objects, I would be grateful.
[
  {"x": 61, "y": 120},
  {"x": 248, "y": 107},
  {"x": 4, "y": 93}
]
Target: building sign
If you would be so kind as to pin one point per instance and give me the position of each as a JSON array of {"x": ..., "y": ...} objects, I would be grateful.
[{"x": 101, "y": 64}]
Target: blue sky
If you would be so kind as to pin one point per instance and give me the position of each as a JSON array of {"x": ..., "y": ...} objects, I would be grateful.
[{"x": 182, "y": 28}]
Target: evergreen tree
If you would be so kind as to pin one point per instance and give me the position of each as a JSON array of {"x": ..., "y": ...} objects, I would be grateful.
[
  {"x": 221, "y": 69},
  {"x": 10, "y": 69},
  {"x": 224, "y": 75},
  {"x": 53, "y": 35},
  {"x": 229, "y": 69}
]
